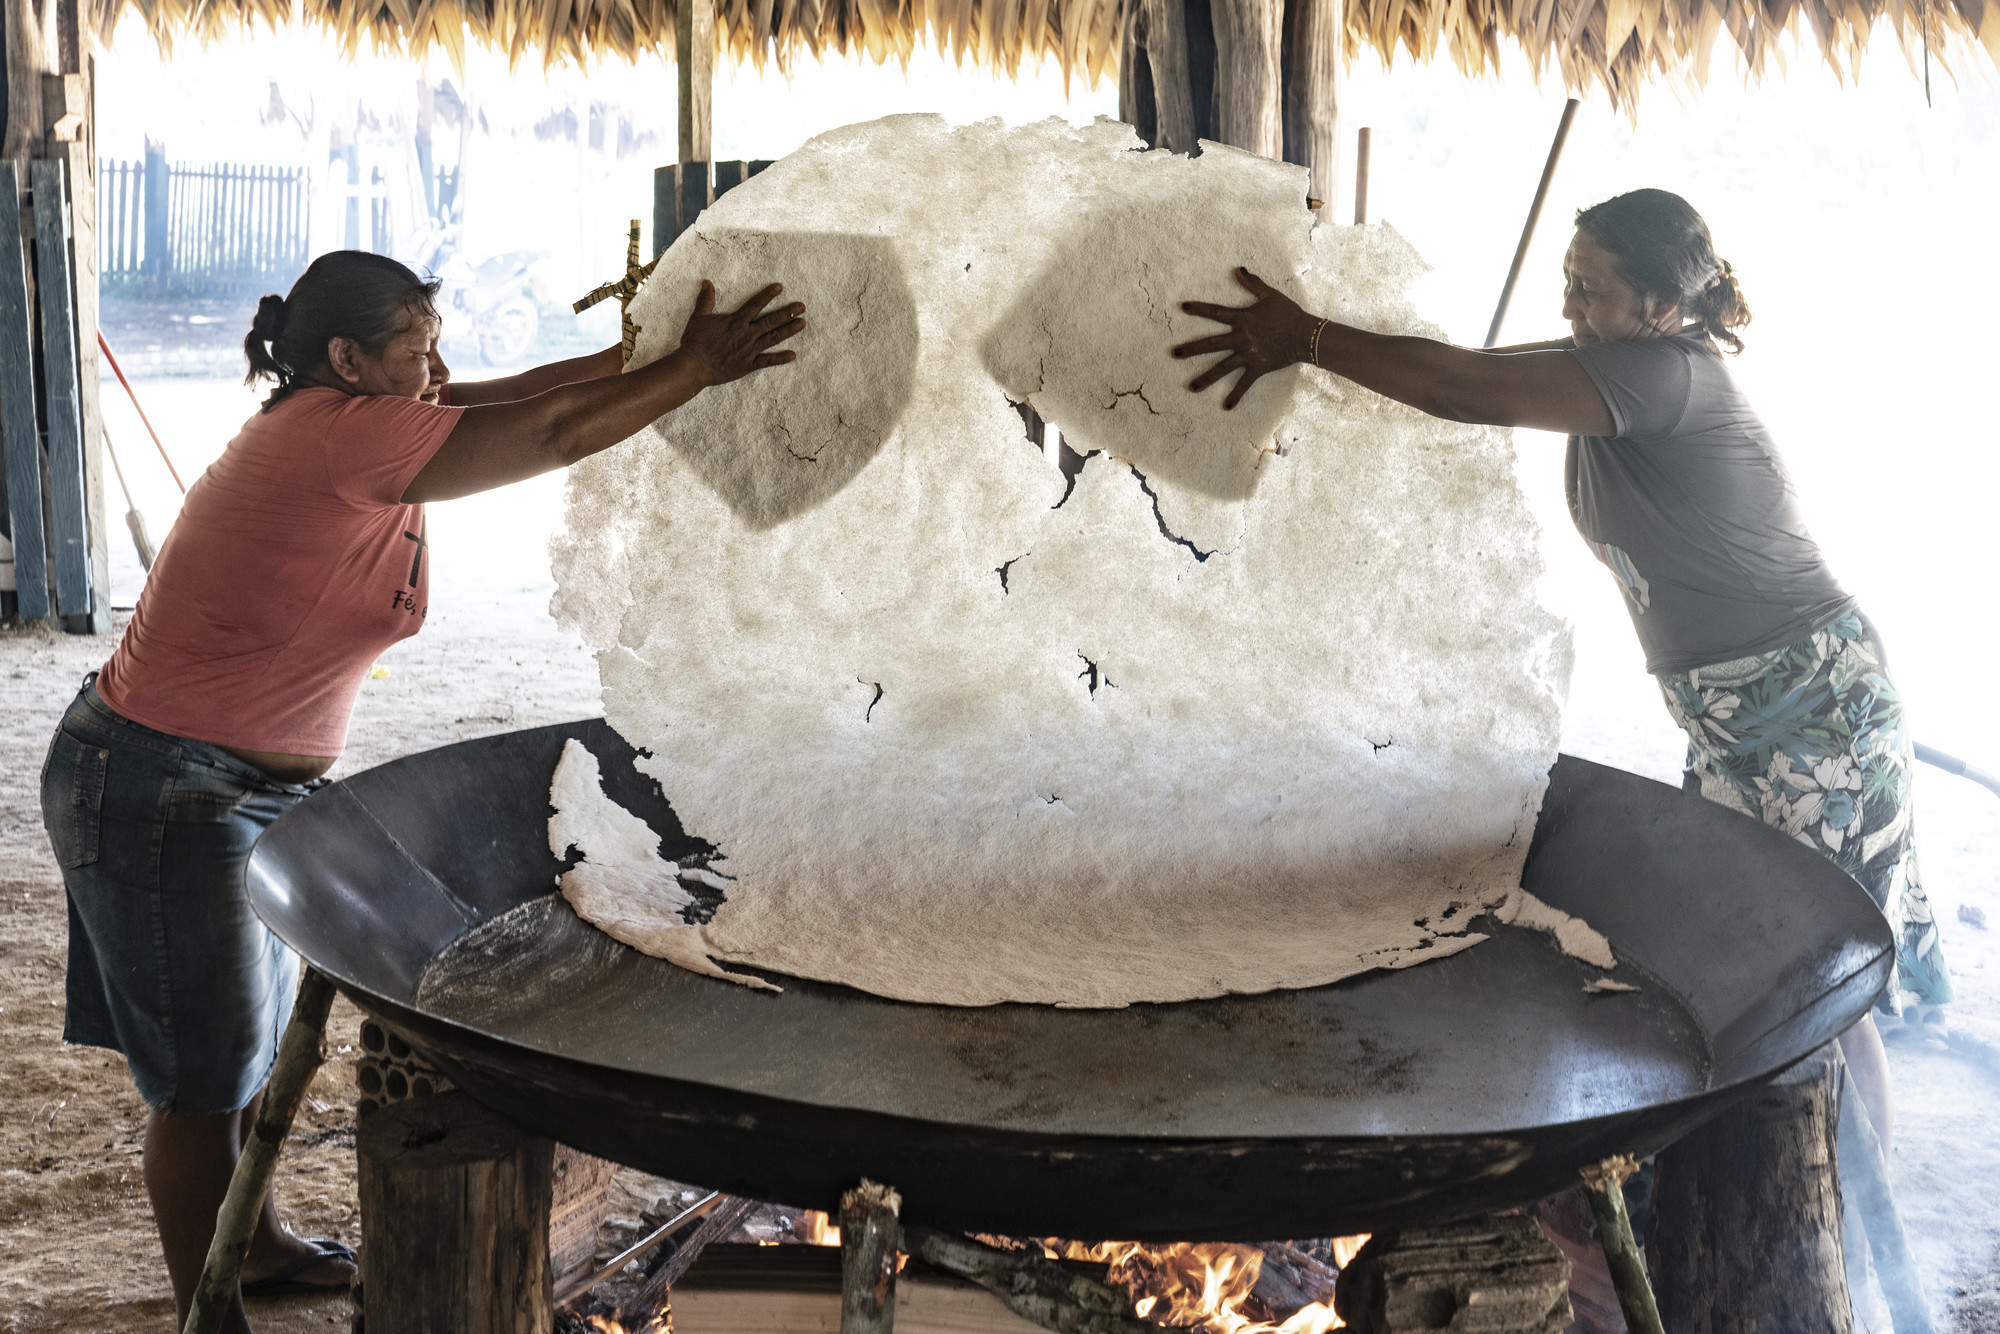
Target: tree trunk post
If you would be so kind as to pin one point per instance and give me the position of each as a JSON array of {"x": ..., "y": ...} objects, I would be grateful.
[
  {"x": 694, "y": 59},
  {"x": 1173, "y": 80},
  {"x": 1312, "y": 122},
  {"x": 455, "y": 1211},
  {"x": 868, "y": 1235},
  {"x": 1746, "y": 1213},
  {"x": 1249, "y": 75}
]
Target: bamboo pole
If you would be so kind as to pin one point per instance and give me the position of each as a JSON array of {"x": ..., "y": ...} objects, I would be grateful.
[
  {"x": 1604, "y": 1186},
  {"x": 298, "y": 1059},
  {"x": 1534, "y": 216}
]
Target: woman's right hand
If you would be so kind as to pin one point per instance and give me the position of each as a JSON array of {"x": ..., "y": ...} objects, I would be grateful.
[
  {"x": 497, "y": 443},
  {"x": 728, "y": 347}
]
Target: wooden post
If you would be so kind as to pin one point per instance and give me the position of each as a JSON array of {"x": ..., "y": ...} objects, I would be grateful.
[
  {"x": 455, "y": 1209},
  {"x": 1312, "y": 123},
  {"x": 1173, "y": 83},
  {"x": 20, "y": 435},
  {"x": 68, "y": 530},
  {"x": 1249, "y": 75},
  {"x": 1746, "y": 1213},
  {"x": 868, "y": 1237},
  {"x": 69, "y": 108},
  {"x": 298, "y": 1059},
  {"x": 1362, "y": 144},
  {"x": 694, "y": 58}
]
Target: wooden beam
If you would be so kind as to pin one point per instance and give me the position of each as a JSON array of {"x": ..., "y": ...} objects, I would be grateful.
[
  {"x": 1173, "y": 85},
  {"x": 32, "y": 50},
  {"x": 1312, "y": 68},
  {"x": 1249, "y": 75},
  {"x": 20, "y": 436},
  {"x": 694, "y": 57}
]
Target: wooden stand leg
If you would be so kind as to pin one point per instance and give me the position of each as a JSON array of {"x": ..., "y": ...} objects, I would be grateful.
[
  {"x": 868, "y": 1233},
  {"x": 1746, "y": 1213},
  {"x": 1500, "y": 1271},
  {"x": 1604, "y": 1187},
  {"x": 455, "y": 1210},
  {"x": 298, "y": 1059}
]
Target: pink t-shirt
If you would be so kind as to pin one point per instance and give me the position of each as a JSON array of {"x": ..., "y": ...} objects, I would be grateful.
[{"x": 293, "y": 565}]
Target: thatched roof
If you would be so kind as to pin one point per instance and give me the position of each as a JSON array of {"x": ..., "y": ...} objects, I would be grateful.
[{"x": 1617, "y": 45}]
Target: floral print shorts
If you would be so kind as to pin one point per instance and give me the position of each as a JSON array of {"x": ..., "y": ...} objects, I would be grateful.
[{"x": 1810, "y": 739}]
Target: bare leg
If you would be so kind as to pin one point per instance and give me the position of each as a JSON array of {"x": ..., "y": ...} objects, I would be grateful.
[
  {"x": 188, "y": 1163},
  {"x": 1868, "y": 1063}
]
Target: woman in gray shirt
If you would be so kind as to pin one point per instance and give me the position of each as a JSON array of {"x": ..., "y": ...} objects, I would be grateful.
[{"x": 1764, "y": 660}]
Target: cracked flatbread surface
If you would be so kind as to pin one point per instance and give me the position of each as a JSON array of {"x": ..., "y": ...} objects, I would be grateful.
[{"x": 1249, "y": 700}]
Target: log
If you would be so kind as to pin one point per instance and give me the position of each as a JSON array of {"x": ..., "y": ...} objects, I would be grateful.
[
  {"x": 455, "y": 1209},
  {"x": 1039, "y": 1289},
  {"x": 868, "y": 1243},
  {"x": 1249, "y": 75},
  {"x": 1746, "y": 1213},
  {"x": 1492, "y": 1275}
]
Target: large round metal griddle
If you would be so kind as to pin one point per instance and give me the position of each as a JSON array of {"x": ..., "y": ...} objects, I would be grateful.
[{"x": 1480, "y": 1081}]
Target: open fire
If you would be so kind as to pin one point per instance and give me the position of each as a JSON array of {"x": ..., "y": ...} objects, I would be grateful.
[{"x": 1206, "y": 1286}]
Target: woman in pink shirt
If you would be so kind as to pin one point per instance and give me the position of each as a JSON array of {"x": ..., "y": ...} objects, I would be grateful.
[{"x": 299, "y": 556}]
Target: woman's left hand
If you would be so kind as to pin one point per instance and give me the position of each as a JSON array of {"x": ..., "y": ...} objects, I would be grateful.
[{"x": 1268, "y": 335}]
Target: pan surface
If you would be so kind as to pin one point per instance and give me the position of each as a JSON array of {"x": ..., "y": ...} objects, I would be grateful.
[{"x": 1476, "y": 1082}]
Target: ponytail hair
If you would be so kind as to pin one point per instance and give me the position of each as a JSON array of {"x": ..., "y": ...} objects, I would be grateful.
[
  {"x": 1664, "y": 250},
  {"x": 351, "y": 294}
]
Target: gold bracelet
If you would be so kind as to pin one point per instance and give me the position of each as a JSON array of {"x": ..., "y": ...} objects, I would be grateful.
[{"x": 1317, "y": 330}]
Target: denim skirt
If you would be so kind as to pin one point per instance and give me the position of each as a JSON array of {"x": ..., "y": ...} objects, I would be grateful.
[{"x": 167, "y": 963}]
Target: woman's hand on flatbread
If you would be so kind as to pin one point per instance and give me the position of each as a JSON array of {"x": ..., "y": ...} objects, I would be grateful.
[
  {"x": 728, "y": 347},
  {"x": 1268, "y": 335}
]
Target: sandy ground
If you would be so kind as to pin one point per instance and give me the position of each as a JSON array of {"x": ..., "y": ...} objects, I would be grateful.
[{"x": 76, "y": 1246}]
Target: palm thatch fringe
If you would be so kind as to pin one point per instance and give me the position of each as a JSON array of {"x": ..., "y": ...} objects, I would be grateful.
[{"x": 1618, "y": 45}]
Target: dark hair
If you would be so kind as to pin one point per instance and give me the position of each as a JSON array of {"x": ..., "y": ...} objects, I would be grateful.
[
  {"x": 1663, "y": 249},
  {"x": 342, "y": 294}
]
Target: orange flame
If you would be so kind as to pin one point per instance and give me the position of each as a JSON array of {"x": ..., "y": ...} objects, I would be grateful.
[
  {"x": 819, "y": 1230},
  {"x": 663, "y": 1323},
  {"x": 1201, "y": 1285}
]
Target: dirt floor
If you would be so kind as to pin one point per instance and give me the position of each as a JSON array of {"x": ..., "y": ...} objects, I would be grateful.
[
  {"x": 76, "y": 1246},
  {"x": 77, "y": 1251}
]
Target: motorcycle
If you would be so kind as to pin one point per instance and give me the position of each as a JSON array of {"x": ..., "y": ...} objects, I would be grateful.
[{"x": 490, "y": 306}]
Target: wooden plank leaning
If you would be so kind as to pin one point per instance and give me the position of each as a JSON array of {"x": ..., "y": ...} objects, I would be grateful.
[
  {"x": 298, "y": 1060},
  {"x": 20, "y": 436},
  {"x": 68, "y": 526}
]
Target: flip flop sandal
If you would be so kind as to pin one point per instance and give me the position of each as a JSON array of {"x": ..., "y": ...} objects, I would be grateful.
[{"x": 284, "y": 1281}]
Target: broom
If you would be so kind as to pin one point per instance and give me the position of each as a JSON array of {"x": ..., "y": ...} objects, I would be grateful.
[{"x": 134, "y": 520}]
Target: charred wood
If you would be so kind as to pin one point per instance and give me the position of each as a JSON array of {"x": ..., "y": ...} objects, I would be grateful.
[{"x": 1492, "y": 1275}]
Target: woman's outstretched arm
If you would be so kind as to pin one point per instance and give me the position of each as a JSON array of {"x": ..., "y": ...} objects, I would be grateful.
[
  {"x": 1546, "y": 390},
  {"x": 538, "y": 379},
  {"x": 498, "y": 443}
]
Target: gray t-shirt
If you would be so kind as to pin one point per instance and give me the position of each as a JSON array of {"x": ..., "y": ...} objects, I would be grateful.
[{"x": 1690, "y": 507}]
